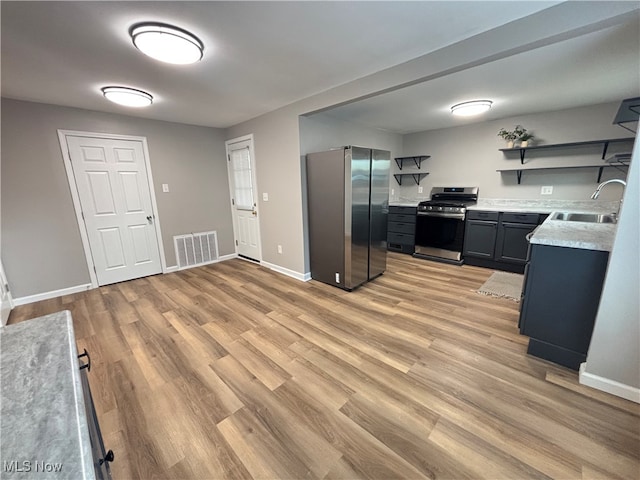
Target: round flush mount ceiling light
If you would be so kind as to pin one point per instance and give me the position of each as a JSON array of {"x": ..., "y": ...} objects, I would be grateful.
[
  {"x": 129, "y": 97},
  {"x": 468, "y": 109},
  {"x": 167, "y": 43}
]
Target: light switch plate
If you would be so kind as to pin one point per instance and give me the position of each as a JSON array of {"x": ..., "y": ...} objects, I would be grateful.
[
  {"x": 546, "y": 190},
  {"x": 265, "y": 197},
  {"x": 419, "y": 189},
  {"x": 165, "y": 187}
]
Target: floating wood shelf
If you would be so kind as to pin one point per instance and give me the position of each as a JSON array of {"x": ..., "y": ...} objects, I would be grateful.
[
  {"x": 600, "y": 168},
  {"x": 604, "y": 143},
  {"x": 417, "y": 177},
  {"x": 417, "y": 159}
]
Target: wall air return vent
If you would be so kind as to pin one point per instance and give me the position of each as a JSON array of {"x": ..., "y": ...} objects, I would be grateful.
[{"x": 196, "y": 249}]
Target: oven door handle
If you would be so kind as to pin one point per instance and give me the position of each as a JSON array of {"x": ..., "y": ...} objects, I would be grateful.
[{"x": 458, "y": 216}]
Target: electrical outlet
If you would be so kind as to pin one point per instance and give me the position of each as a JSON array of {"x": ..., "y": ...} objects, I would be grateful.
[
  {"x": 280, "y": 249},
  {"x": 165, "y": 187},
  {"x": 546, "y": 190},
  {"x": 265, "y": 197},
  {"x": 393, "y": 192},
  {"x": 419, "y": 189}
]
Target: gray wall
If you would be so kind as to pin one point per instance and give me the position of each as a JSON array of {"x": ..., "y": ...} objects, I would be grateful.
[
  {"x": 614, "y": 352},
  {"x": 469, "y": 156},
  {"x": 322, "y": 132},
  {"x": 41, "y": 246},
  {"x": 277, "y": 136}
]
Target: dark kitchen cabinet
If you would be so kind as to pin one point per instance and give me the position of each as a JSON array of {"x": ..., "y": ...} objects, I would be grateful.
[
  {"x": 512, "y": 244},
  {"x": 560, "y": 302},
  {"x": 481, "y": 231},
  {"x": 401, "y": 229},
  {"x": 498, "y": 239}
]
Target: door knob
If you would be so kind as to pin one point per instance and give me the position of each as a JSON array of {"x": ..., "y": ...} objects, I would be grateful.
[
  {"x": 149, "y": 218},
  {"x": 254, "y": 213}
]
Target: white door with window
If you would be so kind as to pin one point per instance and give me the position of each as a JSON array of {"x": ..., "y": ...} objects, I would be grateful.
[
  {"x": 114, "y": 194},
  {"x": 244, "y": 193}
]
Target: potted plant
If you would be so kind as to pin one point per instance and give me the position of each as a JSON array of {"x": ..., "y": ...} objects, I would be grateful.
[
  {"x": 509, "y": 136},
  {"x": 524, "y": 139}
]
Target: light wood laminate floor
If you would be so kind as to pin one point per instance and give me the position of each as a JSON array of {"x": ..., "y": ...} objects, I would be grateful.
[{"x": 234, "y": 371}]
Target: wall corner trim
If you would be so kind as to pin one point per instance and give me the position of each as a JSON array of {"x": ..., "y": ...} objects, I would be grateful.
[
  {"x": 224, "y": 258},
  {"x": 285, "y": 271},
  {"x": 607, "y": 385},
  {"x": 52, "y": 294}
]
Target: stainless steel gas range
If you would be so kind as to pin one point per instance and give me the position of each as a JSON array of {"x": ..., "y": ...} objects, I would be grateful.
[{"x": 440, "y": 223}]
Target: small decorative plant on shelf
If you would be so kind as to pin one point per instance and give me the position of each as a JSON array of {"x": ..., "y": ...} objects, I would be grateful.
[
  {"x": 518, "y": 133},
  {"x": 508, "y": 135},
  {"x": 525, "y": 139}
]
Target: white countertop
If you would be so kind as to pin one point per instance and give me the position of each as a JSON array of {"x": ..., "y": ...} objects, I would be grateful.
[
  {"x": 544, "y": 206},
  {"x": 587, "y": 236},
  {"x": 44, "y": 422}
]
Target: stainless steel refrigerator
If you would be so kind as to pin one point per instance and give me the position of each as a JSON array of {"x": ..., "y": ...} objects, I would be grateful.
[{"x": 348, "y": 203}]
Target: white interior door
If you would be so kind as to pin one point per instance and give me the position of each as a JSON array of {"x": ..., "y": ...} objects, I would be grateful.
[
  {"x": 241, "y": 167},
  {"x": 6, "y": 302},
  {"x": 115, "y": 198}
]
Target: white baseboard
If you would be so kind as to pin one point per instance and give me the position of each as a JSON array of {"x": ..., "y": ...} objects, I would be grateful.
[
  {"x": 224, "y": 258},
  {"x": 303, "y": 277},
  {"x": 607, "y": 385},
  {"x": 171, "y": 269},
  {"x": 53, "y": 294}
]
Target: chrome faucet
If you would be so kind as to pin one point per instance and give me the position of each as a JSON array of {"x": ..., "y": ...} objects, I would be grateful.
[{"x": 599, "y": 189}]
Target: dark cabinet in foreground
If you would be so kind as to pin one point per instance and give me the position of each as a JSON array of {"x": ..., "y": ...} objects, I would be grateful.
[{"x": 560, "y": 302}]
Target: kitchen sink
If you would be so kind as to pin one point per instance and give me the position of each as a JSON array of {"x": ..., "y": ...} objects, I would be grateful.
[{"x": 584, "y": 217}]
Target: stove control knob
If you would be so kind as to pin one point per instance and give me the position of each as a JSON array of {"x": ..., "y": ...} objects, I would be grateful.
[{"x": 440, "y": 208}]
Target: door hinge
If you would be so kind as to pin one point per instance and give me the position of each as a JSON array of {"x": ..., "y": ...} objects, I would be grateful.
[
  {"x": 94, "y": 270},
  {"x": 233, "y": 201},
  {"x": 236, "y": 243},
  {"x": 6, "y": 288},
  {"x": 228, "y": 157},
  {"x": 82, "y": 213}
]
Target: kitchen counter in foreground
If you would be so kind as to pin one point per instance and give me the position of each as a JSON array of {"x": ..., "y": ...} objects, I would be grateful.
[
  {"x": 586, "y": 236},
  {"x": 559, "y": 233},
  {"x": 43, "y": 418}
]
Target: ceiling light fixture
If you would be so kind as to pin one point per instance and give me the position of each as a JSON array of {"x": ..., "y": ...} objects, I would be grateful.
[
  {"x": 468, "y": 109},
  {"x": 129, "y": 97},
  {"x": 167, "y": 43}
]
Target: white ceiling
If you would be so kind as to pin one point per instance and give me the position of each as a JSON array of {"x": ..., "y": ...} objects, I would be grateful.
[
  {"x": 259, "y": 56},
  {"x": 595, "y": 68}
]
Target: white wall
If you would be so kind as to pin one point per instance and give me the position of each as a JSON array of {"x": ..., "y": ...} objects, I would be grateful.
[
  {"x": 469, "y": 155},
  {"x": 614, "y": 352},
  {"x": 41, "y": 246}
]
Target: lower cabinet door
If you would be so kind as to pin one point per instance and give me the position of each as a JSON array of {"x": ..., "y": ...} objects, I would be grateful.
[
  {"x": 512, "y": 243},
  {"x": 101, "y": 458},
  {"x": 480, "y": 238}
]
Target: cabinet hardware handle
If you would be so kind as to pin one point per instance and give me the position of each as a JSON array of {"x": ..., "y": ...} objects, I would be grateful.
[
  {"x": 88, "y": 364},
  {"x": 107, "y": 458}
]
